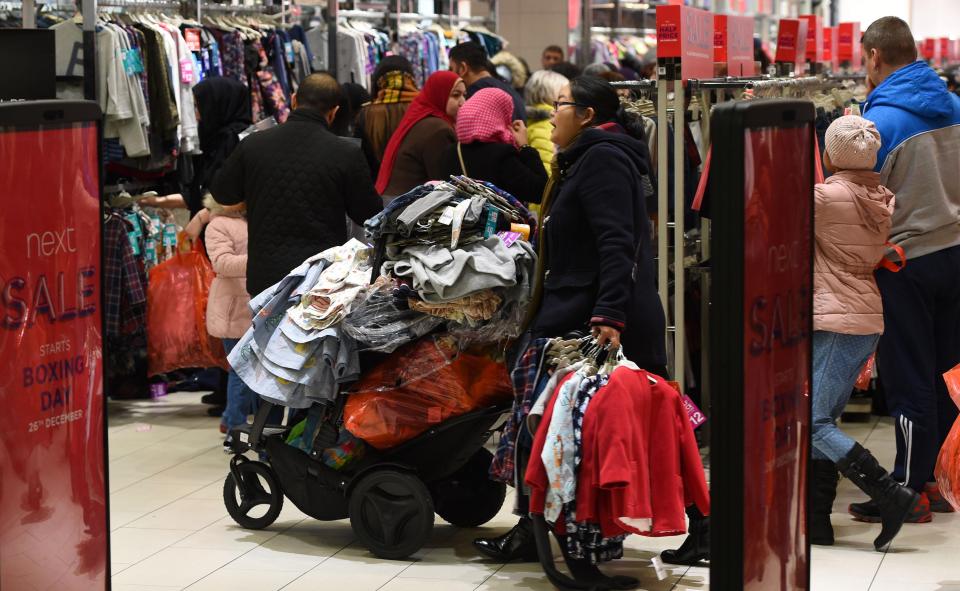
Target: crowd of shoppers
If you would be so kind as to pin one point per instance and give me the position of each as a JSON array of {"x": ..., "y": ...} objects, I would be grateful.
[{"x": 569, "y": 146}]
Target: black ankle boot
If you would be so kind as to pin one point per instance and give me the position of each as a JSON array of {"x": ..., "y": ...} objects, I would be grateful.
[
  {"x": 825, "y": 479},
  {"x": 516, "y": 544},
  {"x": 894, "y": 500},
  {"x": 697, "y": 545}
]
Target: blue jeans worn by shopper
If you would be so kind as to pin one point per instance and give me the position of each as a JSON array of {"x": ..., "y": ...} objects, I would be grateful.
[
  {"x": 241, "y": 400},
  {"x": 837, "y": 361}
]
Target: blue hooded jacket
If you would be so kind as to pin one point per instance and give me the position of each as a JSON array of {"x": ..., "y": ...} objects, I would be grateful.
[
  {"x": 911, "y": 101},
  {"x": 919, "y": 160}
]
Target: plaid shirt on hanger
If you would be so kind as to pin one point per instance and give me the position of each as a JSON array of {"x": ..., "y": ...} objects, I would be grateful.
[
  {"x": 124, "y": 295},
  {"x": 524, "y": 377}
]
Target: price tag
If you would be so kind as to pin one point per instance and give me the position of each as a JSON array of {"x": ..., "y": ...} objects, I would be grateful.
[
  {"x": 447, "y": 216},
  {"x": 169, "y": 235},
  {"x": 288, "y": 48},
  {"x": 150, "y": 251},
  {"x": 192, "y": 37},
  {"x": 509, "y": 238},
  {"x": 697, "y": 417},
  {"x": 134, "y": 220},
  {"x": 186, "y": 70},
  {"x": 134, "y": 243},
  {"x": 491, "y": 227}
]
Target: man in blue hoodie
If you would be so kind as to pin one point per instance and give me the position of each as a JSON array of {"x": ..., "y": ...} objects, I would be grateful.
[{"x": 919, "y": 124}]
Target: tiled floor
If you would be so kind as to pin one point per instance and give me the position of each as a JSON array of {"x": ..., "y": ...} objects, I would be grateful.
[{"x": 171, "y": 530}]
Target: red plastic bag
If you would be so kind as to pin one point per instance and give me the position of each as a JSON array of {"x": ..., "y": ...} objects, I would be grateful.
[
  {"x": 176, "y": 315},
  {"x": 866, "y": 374},
  {"x": 948, "y": 463},
  {"x": 421, "y": 385}
]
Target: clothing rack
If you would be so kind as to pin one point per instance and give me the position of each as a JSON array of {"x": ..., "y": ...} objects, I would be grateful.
[{"x": 798, "y": 86}]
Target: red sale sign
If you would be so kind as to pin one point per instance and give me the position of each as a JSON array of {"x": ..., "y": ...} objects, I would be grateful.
[
  {"x": 53, "y": 506},
  {"x": 686, "y": 34},
  {"x": 830, "y": 42},
  {"x": 792, "y": 43},
  {"x": 814, "y": 37},
  {"x": 848, "y": 47},
  {"x": 733, "y": 44}
]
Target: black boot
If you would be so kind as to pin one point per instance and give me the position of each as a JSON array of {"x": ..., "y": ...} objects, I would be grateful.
[
  {"x": 894, "y": 500},
  {"x": 825, "y": 479},
  {"x": 516, "y": 544},
  {"x": 697, "y": 545}
]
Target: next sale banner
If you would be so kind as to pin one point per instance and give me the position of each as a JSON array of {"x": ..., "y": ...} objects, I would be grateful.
[{"x": 53, "y": 502}]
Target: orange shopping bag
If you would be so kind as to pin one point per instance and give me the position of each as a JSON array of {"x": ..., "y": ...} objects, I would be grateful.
[{"x": 948, "y": 463}]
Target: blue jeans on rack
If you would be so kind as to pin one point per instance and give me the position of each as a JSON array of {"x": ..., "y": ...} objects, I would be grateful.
[{"x": 837, "y": 361}]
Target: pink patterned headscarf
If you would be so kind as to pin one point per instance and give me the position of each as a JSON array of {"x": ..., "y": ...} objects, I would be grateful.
[{"x": 486, "y": 117}]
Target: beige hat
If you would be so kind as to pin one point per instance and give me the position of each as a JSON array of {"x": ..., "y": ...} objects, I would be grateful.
[{"x": 852, "y": 143}]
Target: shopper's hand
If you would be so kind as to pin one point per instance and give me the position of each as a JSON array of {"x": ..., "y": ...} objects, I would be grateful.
[
  {"x": 607, "y": 336},
  {"x": 196, "y": 225},
  {"x": 519, "y": 130}
]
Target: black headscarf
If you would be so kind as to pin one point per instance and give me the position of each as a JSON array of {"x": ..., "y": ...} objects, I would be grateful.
[{"x": 224, "y": 108}]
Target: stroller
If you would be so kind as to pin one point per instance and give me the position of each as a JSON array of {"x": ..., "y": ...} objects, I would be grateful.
[{"x": 389, "y": 495}]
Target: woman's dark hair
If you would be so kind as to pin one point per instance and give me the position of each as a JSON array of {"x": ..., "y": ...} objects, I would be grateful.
[
  {"x": 353, "y": 98},
  {"x": 596, "y": 93},
  {"x": 391, "y": 63}
]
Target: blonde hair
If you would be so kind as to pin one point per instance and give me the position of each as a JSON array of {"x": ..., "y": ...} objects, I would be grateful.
[{"x": 544, "y": 87}]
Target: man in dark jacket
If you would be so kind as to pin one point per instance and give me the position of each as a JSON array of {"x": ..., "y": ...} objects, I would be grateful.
[
  {"x": 469, "y": 60},
  {"x": 299, "y": 181}
]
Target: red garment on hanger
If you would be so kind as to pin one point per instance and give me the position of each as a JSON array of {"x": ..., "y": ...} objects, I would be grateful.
[{"x": 640, "y": 459}]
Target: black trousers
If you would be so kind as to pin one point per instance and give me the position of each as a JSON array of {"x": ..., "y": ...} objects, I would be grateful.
[{"x": 921, "y": 341}]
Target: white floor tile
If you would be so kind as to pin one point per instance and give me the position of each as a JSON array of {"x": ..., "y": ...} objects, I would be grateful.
[
  {"x": 131, "y": 545},
  {"x": 177, "y": 567},
  {"x": 236, "y": 579}
]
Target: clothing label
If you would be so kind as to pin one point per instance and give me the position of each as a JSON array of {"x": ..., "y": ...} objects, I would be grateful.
[
  {"x": 509, "y": 238},
  {"x": 192, "y": 37},
  {"x": 697, "y": 417},
  {"x": 491, "y": 227},
  {"x": 288, "y": 48},
  {"x": 447, "y": 216},
  {"x": 132, "y": 62},
  {"x": 169, "y": 235}
]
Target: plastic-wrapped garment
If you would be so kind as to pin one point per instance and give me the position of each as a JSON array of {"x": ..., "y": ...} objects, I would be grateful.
[
  {"x": 177, "y": 294},
  {"x": 377, "y": 324},
  {"x": 423, "y": 384},
  {"x": 948, "y": 463}
]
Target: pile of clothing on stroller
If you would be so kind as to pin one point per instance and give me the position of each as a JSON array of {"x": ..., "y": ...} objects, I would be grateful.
[{"x": 454, "y": 267}]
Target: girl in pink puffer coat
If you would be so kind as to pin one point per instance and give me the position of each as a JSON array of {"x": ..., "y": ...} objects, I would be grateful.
[
  {"x": 228, "y": 310},
  {"x": 853, "y": 220}
]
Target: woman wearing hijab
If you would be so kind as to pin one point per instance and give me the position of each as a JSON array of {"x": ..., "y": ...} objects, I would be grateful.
[
  {"x": 416, "y": 150},
  {"x": 223, "y": 111},
  {"x": 378, "y": 120},
  {"x": 492, "y": 147}
]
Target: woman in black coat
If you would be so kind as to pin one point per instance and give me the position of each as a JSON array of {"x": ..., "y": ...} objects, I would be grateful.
[
  {"x": 597, "y": 256},
  {"x": 596, "y": 269}
]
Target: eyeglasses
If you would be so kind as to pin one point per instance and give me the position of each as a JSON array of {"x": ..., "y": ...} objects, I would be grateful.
[{"x": 558, "y": 104}]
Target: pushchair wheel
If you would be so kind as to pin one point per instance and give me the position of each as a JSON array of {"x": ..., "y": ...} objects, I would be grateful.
[
  {"x": 468, "y": 498},
  {"x": 391, "y": 512},
  {"x": 258, "y": 486}
]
